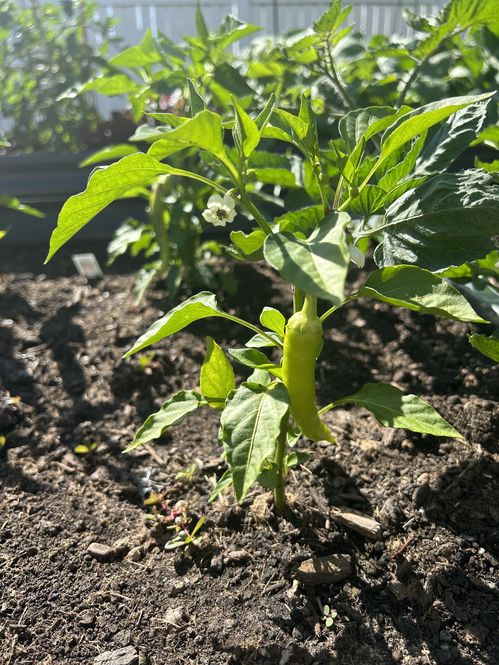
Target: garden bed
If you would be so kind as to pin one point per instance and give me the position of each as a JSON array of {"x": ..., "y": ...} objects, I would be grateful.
[{"x": 425, "y": 592}]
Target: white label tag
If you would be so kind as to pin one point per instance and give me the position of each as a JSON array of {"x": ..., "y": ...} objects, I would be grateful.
[{"x": 87, "y": 265}]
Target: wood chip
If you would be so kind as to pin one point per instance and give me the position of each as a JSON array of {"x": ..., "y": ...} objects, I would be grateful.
[
  {"x": 325, "y": 570},
  {"x": 362, "y": 524}
]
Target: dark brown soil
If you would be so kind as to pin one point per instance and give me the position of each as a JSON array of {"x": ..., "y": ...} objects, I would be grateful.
[{"x": 426, "y": 593}]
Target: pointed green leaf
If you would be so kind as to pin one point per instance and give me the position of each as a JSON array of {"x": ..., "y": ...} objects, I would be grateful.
[
  {"x": 224, "y": 481},
  {"x": 140, "y": 55},
  {"x": 172, "y": 413},
  {"x": 317, "y": 265},
  {"x": 418, "y": 290},
  {"x": 251, "y": 424},
  {"x": 200, "y": 306},
  {"x": 264, "y": 116},
  {"x": 109, "y": 153},
  {"x": 201, "y": 26},
  {"x": 393, "y": 408},
  {"x": 217, "y": 376},
  {"x": 197, "y": 102},
  {"x": 245, "y": 130},
  {"x": 419, "y": 121},
  {"x": 203, "y": 131},
  {"x": 447, "y": 221},
  {"x": 260, "y": 341},
  {"x": 105, "y": 185},
  {"x": 110, "y": 86},
  {"x": 452, "y": 138}
]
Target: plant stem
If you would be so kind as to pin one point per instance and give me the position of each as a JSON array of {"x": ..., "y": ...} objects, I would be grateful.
[
  {"x": 279, "y": 493},
  {"x": 298, "y": 298},
  {"x": 259, "y": 218},
  {"x": 255, "y": 329},
  {"x": 157, "y": 219},
  {"x": 333, "y": 75}
]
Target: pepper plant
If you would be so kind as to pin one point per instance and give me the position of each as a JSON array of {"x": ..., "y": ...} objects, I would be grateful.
[
  {"x": 157, "y": 77},
  {"x": 384, "y": 182}
]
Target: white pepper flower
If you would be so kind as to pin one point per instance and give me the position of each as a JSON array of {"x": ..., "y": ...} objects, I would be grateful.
[
  {"x": 220, "y": 211},
  {"x": 356, "y": 256}
]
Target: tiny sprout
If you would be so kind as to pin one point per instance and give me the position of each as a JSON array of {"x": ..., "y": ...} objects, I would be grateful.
[
  {"x": 85, "y": 448},
  {"x": 3, "y": 442},
  {"x": 187, "y": 476},
  {"x": 184, "y": 538},
  {"x": 144, "y": 362},
  {"x": 329, "y": 615}
]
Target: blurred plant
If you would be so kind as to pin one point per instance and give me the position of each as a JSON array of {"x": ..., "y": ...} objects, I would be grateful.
[
  {"x": 86, "y": 448},
  {"x": 43, "y": 49}
]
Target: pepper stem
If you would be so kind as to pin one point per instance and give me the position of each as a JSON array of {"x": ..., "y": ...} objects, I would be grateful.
[{"x": 279, "y": 493}]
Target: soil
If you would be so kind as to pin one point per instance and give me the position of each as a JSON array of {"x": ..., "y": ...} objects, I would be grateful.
[{"x": 425, "y": 593}]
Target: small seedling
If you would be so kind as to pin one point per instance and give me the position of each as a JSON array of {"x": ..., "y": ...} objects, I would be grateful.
[
  {"x": 144, "y": 362},
  {"x": 187, "y": 476},
  {"x": 183, "y": 537},
  {"x": 329, "y": 615}
]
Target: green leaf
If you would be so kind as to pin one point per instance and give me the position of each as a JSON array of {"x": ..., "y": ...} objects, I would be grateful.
[
  {"x": 224, "y": 481},
  {"x": 140, "y": 55},
  {"x": 332, "y": 18},
  {"x": 419, "y": 121},
  {"x": 233, "y": 30},
  {"x": 452, "y": 138},
  {"x": 231, "y": 80},
  {"x": 203, "y": 131},
  {"x": 358, "y": 127},
  {"x": 249, "y": 244},
  {"x": 489, "y": 346},
  {"x": 370, "y": 200},
  {"x": 197, "y": 102},
  {"x": 201, "y": 26},
  {"x": 418, "y": 290},
  {"x": 251, "y": 357},
  {"x": 168, "y": 119},
  {"x": 318, "y": 265},
  {"x": 393, "y": 408},
  {"x": 217, "y": 376},
  {"x": 264, "y": 116},
  {"x": 281, "y": 177},
  {"x": 13, "y": 203},
  {"x": 250, "y": 425},
  {"x": 195, "y": 308},
  {"x": 105, "y": 185},
  {"x": 489, "y": 167},
  {"x": 446, "y": 221},
  {"x": 365, "y": 123},
  {"x": 172, "y": 413},
  {"x": 273, "y": 320},
  {"x": 118, "y": 84},
  {"x": 303, "y": 220},
  {"x": 109, "y": 153},
  {"x": 246, "y": 132},
  {"x": 393, "y": 176},
  {"x": 260, "y": 341}
]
